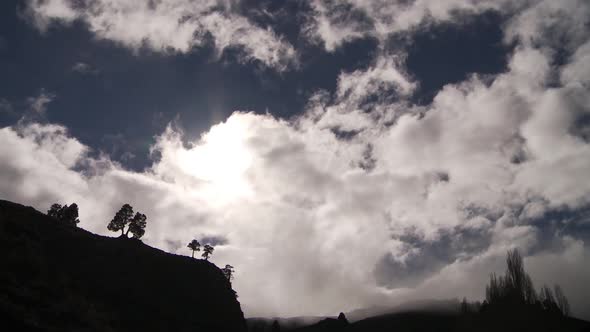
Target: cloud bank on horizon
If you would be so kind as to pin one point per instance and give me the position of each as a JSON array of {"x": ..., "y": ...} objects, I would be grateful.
[{"x": 365, "y": 198}]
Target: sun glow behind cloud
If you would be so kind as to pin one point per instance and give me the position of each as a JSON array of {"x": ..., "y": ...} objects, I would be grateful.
[{"x": 220, "y": 159}]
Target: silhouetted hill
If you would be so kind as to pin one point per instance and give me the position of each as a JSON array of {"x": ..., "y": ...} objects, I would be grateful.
[
  {"x": 56, "y": 277},
  {"x": 425, "y": 305},
  {"x": 263, "y": 324},
  {"x": 451, "y": 322}
]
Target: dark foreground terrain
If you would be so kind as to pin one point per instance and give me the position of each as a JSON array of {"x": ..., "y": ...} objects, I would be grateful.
[
  {"x": 55, "y": 277},
  {"x": 437, "y": 321}
]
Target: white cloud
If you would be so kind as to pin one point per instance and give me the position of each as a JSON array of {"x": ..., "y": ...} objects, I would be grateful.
[
  {"x": 561, "y": 23},
  {"x": 171, "y": 25},
  {"x": 38, "y": 104},
  {"x": 337, "y": 22},
  {"x": 385, "y": 76},
  {"x": 306, "y": 225}
]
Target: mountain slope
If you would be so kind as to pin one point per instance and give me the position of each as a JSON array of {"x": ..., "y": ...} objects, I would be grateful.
[
  {"x": 60, "y": 278},
  {"x": 455, "y": 322}
]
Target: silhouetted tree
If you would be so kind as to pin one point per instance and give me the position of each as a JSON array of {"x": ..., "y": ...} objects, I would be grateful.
[
  {"x": 207, "y": 251},
  {"x": 515, "y": 291},
  {"x": 516, "y": 284},
  {"x": 228, "y": 272},
  {"x": 194, "y": 245},
  {"x": 124, "y": 217},
  {"x": 464, "y": 306},
  {"x": 342, "y": 318},
  {"x": 517, "y": 281},
  {"x": 515, "y": 275},
  {"x": 494, "y": 289},
  {"x": 121, "y": 219},
  {"x": 54, "y": 211},
  {"x": 547, "y": 300},
  {"x": 562, "y": 302},
  {"x": 65, "y": 214},
  {"x": 137, "y": 225},
  {"x": 275, "y": 326},
  {"x": 530, "y": 295}
]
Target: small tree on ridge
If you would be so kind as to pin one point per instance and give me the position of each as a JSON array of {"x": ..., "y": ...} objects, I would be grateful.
[
  {"x": 65, "y": 214},
  {"x": 194, "y": 245},
  {"x": 124, "y": 217},
  {"x": 137, "y": 225},
  {"x": 207, "y": 251},
  {"x": 228, "y": 272}
]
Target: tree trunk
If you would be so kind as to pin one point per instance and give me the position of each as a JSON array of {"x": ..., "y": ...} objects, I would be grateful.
[{"x": 193, "y": 254}]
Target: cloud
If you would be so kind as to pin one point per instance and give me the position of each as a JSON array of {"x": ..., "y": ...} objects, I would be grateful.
[
  {"x": 84, "y": 68},
  {"x": 492, "y": 163},
  {"x": 214, "y": 240},
  {"x": 36, "y": 106},
  {"x": 384, "y": 78},
  {"x": 6, "y": 107},
  {"x": 333, "y": 23},
  {"x": 169, "y": 26}
]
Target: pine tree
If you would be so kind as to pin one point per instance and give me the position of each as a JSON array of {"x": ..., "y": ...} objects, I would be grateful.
[
  {"x": 65, "y": 214},
  {"x": 137, "y": 225},
  {"x": 54, "y": 211},
  {"x": 562, "y": 302},
  {"x": 228, "y": 272},
  {"x": 121, "y": 219},
  {"x": 207, "y": 251},
  {"x": 194, "y": 245},
  {"x": 69, "y": 215}
]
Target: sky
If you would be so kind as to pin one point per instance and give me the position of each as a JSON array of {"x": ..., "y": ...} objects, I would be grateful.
[{"x": 339, "y": 154}]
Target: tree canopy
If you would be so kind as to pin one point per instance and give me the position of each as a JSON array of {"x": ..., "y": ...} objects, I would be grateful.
[
  {"x": 207, "y": 251},
  {"x": 194, "y": 245},
  {"x": 124, "y": 217},
  {"x": 137, "y": 225},
  {"x": 228, "y": 272},
  {"x": 516, "y": 288},
  {"x": 65, "y": 214}
]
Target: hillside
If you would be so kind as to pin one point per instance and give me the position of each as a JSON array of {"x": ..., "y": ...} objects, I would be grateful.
[
  {"x": 414, "y": 321},
  {"x": 256, "y": 324},
  {"x": 60, "y": 278}
]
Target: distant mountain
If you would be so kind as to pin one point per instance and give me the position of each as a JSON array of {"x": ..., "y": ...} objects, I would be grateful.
[
  {"x": 454, "y": 321},
  {"x": 433, "y": 306},
  {"x": 256, "y": 324},
  {"x": 261, "y": 324},
  {"x": 55, "y": 277}
]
